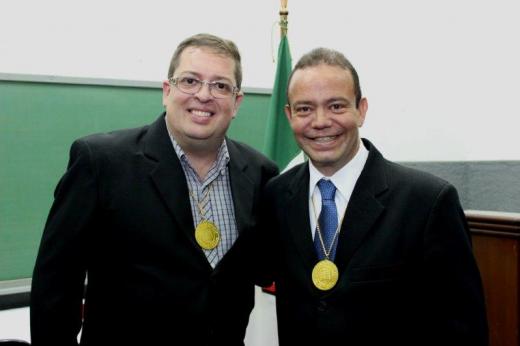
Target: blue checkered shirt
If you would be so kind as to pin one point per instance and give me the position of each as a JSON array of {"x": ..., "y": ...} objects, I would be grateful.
[{"x": 214, "y": 196}]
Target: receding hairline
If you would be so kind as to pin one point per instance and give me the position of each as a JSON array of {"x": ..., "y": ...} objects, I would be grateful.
[
  {"x": 211, "y": 43},
  {"x": 208, "y": 50},
  {"x": 347, "y": 72},
  {"x": 328, "y": 57}
]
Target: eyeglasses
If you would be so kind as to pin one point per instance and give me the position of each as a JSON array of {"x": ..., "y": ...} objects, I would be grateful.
[{"x": 190, "y": 85}]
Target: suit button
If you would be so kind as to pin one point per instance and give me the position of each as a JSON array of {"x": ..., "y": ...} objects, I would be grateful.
[{"x": 322, "y": 306}]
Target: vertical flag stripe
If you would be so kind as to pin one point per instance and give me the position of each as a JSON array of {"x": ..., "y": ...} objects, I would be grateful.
[{"x": 279, "y": 144}]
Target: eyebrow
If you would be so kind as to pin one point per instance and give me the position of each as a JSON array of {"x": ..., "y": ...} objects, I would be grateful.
[
  {"x": 212, "y": 79},
  {"x": 328, "y": 101},
  {"x": 301, "y": 103},
  {"x": 342, "y": 99}
]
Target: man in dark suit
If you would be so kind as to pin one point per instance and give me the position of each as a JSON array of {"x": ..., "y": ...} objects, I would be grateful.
[
  {"x": 154, "y": 217},
  {"x": 363, "y": 251}
]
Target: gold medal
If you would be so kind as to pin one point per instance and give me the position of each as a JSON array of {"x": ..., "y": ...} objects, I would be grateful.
[
  {"x": 207, "y": 235},
  {"x": 325, "y": 275}
]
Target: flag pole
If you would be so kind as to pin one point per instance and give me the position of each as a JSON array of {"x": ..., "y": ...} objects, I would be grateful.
[
  {"x": 284, "y": 12},
  {"x": 279, "y": 143}
]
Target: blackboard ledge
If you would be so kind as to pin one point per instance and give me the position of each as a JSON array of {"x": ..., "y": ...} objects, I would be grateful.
[{"x": 14, "y": 293}]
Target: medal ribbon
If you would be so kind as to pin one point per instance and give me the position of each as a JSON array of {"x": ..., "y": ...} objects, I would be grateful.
[
  {"x": 334, "y": 234},
  {"x": 205, "y": 201}
]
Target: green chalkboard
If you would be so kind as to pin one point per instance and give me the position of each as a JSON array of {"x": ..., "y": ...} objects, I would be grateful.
[{"x": 39, "y": 121}]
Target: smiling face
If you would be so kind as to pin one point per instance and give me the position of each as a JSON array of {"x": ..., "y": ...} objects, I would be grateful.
[
  {"x": 199, "y": 122},
  {"x": 324, "y": 117}
]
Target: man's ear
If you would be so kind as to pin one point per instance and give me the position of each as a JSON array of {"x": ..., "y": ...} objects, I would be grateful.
[
  {"x": 362, "y": 109},
  {"x": 238, "y": 100},
  {"x": 288, "y": 112},
  {"x": 166, "y": 90}
]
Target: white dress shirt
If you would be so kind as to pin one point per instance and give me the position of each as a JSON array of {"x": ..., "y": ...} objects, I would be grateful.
[{"x": 345, "y": 179}]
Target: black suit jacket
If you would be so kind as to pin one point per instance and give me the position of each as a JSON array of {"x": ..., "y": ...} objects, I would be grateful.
[
  {"x": 407, "y": 275},
  {"x": 122, "y": 214}
]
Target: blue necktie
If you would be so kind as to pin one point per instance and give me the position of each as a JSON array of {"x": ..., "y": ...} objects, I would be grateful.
[{"x": 328, "y": 220}]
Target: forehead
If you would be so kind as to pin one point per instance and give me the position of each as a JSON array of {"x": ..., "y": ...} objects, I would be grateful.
[
  {"x": 206, "y": 62},
  {"x": 320, "y": 79}
]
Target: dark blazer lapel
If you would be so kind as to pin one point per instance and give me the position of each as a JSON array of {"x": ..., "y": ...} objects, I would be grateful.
[
  {"x": 297, "y": 209},
  {"x": 169, "y": 178},
  {"x": 242, "y": 187},
  {"x": 363, "y": 208}
]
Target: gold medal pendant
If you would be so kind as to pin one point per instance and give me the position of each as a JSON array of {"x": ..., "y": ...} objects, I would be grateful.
[
  {"x": 325, "y": 275},
  {"x": 207, "y": 235}
]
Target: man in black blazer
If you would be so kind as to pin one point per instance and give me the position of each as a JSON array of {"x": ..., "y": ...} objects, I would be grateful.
[
  {"x": 363, "y": 251},
  {"x": 155, "y": 218}
]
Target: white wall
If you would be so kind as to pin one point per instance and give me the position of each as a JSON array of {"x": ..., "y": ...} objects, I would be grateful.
[
  {"x": 14, "y": 324},
  {"x": 441, "y": 76}
]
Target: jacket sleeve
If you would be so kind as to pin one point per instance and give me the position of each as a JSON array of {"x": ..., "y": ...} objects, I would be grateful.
[
  {"x": 454, "y": 296},
  {"x": 264, "y": 249},
  {"x": 60, "y": 269}
]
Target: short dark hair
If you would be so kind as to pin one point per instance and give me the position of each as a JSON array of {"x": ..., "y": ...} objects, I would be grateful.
[
  {"x": 330, "y": 57},
  {"x": 214, "y": 43}
]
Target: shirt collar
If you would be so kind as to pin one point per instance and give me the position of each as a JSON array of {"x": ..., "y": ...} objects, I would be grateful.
[
  {"x": 222, "y": 154},
  {"x": 345, "y": 178}
]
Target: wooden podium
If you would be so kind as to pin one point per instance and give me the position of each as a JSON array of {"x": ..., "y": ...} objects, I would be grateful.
[{"x": 496, "y": 243}]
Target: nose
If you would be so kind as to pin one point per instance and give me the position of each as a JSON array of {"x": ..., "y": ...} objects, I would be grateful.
[
  {"x": 204, "y": 94},
  {"x": 320, "y": 120}
]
